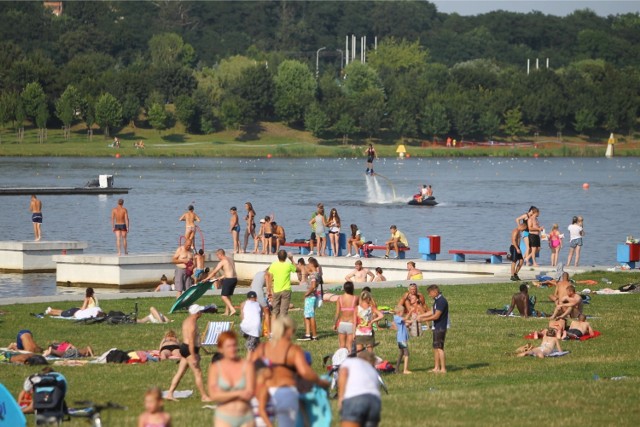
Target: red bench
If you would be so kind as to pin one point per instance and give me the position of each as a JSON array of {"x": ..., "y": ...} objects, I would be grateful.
[
  {"x": 459, "y": 255},
  {"x": 368, "y": 248}
]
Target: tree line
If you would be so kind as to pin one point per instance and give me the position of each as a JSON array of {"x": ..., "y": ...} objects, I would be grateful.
[{"x": 215, "y": 65}]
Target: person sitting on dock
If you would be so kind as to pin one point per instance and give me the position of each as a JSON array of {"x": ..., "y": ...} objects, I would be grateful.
[
  {"x": 398, "y": 240},
  {"x": 359, "y": 274},
  {"x": 412, "y": 272},
  {"x": 279, "y": 235}
]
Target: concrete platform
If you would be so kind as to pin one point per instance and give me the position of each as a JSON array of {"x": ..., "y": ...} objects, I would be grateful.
[
  {"x": 32, "y": 257},
  {"x": 336, "y": 268},
  {"x": 110, "y": 270}
]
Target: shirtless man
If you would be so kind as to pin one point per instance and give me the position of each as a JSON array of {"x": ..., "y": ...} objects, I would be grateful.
[
  {"x": 579, "y": 327},
  {"x": 183, "y": 259},
  {"x": 234, "y": 229},
  {"x": 515, "y": 252},
  {"x": 229, "y": 280},
  {"x": 429, "y": 191},
  {"x": 120, "y": 226},
  {"x": 199, "y": 264},
  {"x": 534, "y": 236},
  {"x": 569, "y": 306},
  {"x": 279, "y": 235},
  {"x": 36, "y": 216},
  {"x": 359, "y": 274},
  {"x": 561, "y": 288},
  {"x": 521, "y": 301},
  {"x": 189, "y": 352},
  {"x": 190, "y": 218}
]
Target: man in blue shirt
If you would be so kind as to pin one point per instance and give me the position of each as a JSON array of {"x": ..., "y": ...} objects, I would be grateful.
[{"x": 440, "y": 318}]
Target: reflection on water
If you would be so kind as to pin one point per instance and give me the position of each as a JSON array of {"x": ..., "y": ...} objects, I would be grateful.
[{"x": 479, "y": 199}]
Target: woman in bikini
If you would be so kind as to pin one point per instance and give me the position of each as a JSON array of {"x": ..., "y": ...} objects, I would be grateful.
[
  {"x": 555, "y": 243},
  {"x": 250, "y": 230},
  {"x": 345, "y": 319},
  {"x": 412, "y": 272},
  {"x": 231, "y": 383},
  {"x": 549, "y": 343},
  {"x": 170, "y": 346},
  {"x": 287, "y": 363},
  {"x": 334, "y": 231}
]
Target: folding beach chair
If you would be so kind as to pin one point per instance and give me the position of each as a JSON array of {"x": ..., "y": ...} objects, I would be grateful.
[{"x": 213, "y": 331}]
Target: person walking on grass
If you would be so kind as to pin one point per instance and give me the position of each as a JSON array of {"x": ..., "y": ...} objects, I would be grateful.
[
  {"x": 229, "y": 280},
  {"x": 279, "y": 283},
  {"x": 36, "y": 216},
  {"x": 314, "y": 279},
  {"x": 440, "y": 318},
  {"x": 515, "y": 252},
  {"x": 402, "y": 338},
  {"x": 190, "y": 353}
]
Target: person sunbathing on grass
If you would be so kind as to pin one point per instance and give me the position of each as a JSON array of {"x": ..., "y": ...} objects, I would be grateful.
[
  {"x": 579, "y": 328},
  {"x": 67, "y": 350},
  {"x": 558, "y": 324},
  {"x": 568, "y": 306},
  {"x": 549, "y": 343},
  {"x": 154, "y": 317}
]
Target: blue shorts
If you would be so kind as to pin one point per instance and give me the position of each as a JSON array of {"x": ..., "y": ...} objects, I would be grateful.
[
  {"x": 364, "y": 410},
  {"x": 576, "y": 242},
  {"x": 120, "y": 227},
  {"x": 19, "y": 338},
  {"x": 310, "y": 307},
  {"x": 236, "y": 228},
  {"x": 37, "y": 218}
]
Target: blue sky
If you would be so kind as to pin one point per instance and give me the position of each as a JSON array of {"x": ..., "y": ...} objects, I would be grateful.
[{"x": 559, "y": 8}]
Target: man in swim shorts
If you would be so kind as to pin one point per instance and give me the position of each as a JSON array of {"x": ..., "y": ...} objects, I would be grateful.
[
  {"x": 534, "y": 236},
  {"x": 189, "y": 352},
  {"x": 183, "y": 259},
  {"x": 515, "y": 252},
  {"x": 190, "y": 218},
  {"x": 36, "y": 216},
  {"x": 228, "y": 282},
  {"x": 579, "y": 327},
  {"x": 120, "y": 226}
]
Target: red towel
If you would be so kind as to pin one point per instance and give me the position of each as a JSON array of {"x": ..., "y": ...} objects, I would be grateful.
[{"x": 588, "y": 337}]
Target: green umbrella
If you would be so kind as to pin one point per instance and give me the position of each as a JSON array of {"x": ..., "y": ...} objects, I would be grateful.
[{"x": 190, "y": 296}]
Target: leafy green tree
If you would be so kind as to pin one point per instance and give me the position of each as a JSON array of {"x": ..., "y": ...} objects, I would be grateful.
[
  {"x": 172, "y": 80},
  {"x": 315, "y": 120},
  {"x": 403, "y": 123},
  {"x": 69, "y": 103},
  {"x": 232, "y": 112},
  {"x": 434, "y": 120},
  {"x": 586, "y": 120},
  {"x": 513, "y": 125},
  {"x": 8, "y": 101},
  {"x": 158, "y": 117},
  {"x": 42, "y": 116},
  {"x": 165, "y": 48},
  {"x": 345, "y": 126},
  {"x": 130, "y": 109},
  {"x": 359, "y": 77},
  {"x": 295, "y": 88},
  {"x": 370, "y": 110},
  {"x": 187, "y": 112},
  {"x": 32, "y": 97},
  {"x": 108, "y": 112},
  {"x": 254, "y": 86},
  {"x": 464, "y": 120},
  {"x": 488, "y": 124}
]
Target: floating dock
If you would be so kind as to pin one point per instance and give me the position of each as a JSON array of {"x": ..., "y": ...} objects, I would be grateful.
[
  {"x": 27, "y": 191},
  {"x": 35, "y": 257}
]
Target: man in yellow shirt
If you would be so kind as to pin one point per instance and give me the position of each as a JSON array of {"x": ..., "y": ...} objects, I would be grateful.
[
  {"x": 398, "y": 240},
  {"x": 278, "y": 281}
]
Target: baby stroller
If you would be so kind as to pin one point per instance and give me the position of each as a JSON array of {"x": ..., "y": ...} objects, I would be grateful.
[
  {"x": 332, "y": 370},
  {"x": 49, "y": 391}
]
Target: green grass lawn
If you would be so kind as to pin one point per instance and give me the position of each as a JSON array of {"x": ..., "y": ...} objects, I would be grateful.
[
  {"x": 484, "y": 386},
  {"x": 275, "y": 139}
]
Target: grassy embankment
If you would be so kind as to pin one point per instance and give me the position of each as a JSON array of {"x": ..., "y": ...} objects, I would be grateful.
[
  {"x": 278, "y": 140},
  {"x": 485, "y": 385}
]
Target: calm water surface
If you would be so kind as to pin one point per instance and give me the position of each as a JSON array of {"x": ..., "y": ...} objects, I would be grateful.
[{"x": 479, "y": 199}]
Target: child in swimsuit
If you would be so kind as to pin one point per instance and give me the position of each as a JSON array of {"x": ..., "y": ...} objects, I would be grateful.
[
  {"x": 555, "y": 243},
  {"x": 154, "y": 414},
  {"x": 267, "y": 230}
]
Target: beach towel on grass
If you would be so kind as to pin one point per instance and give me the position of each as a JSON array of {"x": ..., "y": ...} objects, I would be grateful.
[
  {"x": 558, "y": 353},
  {"x": 178, "y": 394},
  {"x": 588, "y": 337}
]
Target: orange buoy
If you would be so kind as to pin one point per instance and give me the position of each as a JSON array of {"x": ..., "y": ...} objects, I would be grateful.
[
  {"x": 585, "y": 185},
  {"x": 407, "y": 155},
  {"x": 535, "y": 155},
  {"x": 268, "y": 156},
  {"x": 117, "y": 155}
]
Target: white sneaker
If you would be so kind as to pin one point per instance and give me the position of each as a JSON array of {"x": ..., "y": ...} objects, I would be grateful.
[
  {"x": 347, "y": 255},
  {"x": 48, "y": 310},
  {"x": 356, "y": 256}
]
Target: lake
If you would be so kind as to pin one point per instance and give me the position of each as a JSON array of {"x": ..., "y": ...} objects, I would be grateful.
[{"x": 479, "y": 200}]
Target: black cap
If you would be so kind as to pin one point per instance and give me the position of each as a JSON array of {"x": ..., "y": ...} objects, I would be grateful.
[{"x": 252, "y": 294}]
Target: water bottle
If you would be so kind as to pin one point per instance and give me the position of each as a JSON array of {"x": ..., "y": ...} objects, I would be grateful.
[{"x": 606, "y": 281}]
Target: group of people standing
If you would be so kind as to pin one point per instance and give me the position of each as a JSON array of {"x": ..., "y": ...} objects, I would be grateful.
[{"x": 529, "y": 231}]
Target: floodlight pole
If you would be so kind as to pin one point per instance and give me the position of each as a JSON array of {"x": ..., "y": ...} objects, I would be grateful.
[{"x": 318, "y": 62}]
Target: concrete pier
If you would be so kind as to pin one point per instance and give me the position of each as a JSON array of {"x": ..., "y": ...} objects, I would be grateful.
[
  {"x": 110, "y": 270},
  {"x": 32, "y": 257}
]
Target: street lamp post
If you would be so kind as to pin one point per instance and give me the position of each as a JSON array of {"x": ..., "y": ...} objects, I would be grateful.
[{"x": 318, "y": 61}]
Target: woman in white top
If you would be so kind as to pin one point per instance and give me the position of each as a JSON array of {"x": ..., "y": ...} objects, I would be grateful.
[
  {"x": 358, "y": 393},
  {"x": 575, "y": 239},
  {"x": 334, "y": 230},
  {"x": 355, "y": 240}
]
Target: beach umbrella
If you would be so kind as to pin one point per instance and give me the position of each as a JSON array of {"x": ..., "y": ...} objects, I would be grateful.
[
  {"x": 401, "y": 150},
  {"x": 190, "y": 296}
]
